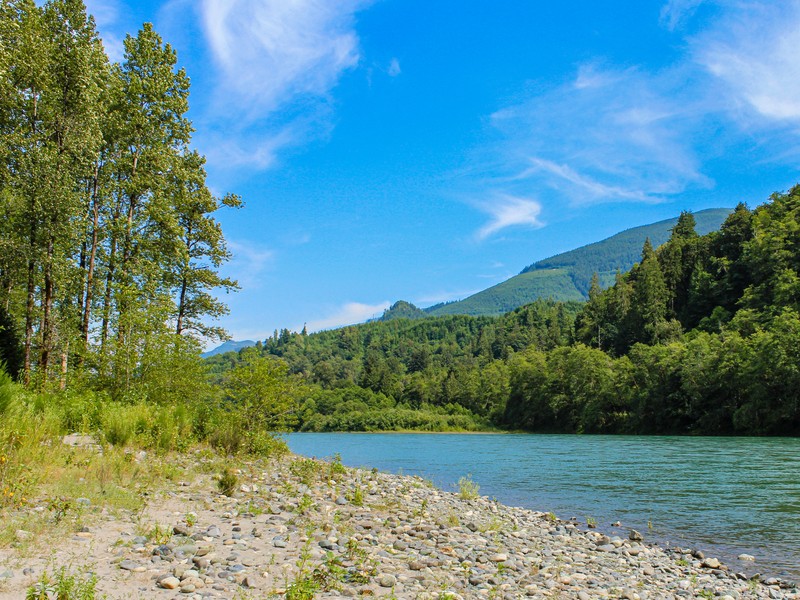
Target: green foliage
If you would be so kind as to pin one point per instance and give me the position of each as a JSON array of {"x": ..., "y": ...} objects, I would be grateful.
[
  {"x": 63, "y": 585},
  {"x": 262, "y": 391}
]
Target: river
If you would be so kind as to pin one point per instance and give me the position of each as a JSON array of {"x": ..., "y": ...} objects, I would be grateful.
[{"x": 725, "y": 496}]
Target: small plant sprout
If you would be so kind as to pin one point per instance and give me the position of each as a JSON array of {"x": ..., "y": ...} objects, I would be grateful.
[{"x": 591, "y": 522}]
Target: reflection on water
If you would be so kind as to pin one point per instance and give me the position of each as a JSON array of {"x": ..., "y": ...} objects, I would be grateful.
[{"x": 727, "y": 496}]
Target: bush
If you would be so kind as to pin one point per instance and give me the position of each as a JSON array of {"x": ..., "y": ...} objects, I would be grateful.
[{"x": 227, "y": 482}]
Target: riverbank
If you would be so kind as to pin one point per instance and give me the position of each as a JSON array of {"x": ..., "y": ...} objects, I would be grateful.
[{"x": 299, "y": 528}]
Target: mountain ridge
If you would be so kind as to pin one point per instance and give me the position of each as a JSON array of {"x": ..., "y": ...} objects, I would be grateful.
[{"x": 567, "y": 276}]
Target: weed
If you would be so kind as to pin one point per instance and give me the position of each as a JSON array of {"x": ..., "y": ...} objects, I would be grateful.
[
  {"x": 356, "y": 497},
  {"x": 307, "y": 470},
  {"x": 305, "y": 505},
  {"x": 63, "y": 585},
  {"x": 160, "y": 534},
  {"x": 336, "y": 467},
  {"x": 59, "y": 507},
  {"x": 227, "y": 482},
  {"x": 467, "y": 488},
  {"x": 591, "y": 522}
]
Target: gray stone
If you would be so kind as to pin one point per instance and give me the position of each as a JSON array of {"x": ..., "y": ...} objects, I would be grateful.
[{"x": 387, "y": 580}]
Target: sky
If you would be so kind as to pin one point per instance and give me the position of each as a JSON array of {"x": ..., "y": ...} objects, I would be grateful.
[{"x": 423, "y": 151}]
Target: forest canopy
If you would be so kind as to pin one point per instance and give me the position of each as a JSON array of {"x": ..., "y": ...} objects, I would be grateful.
[{"x": 702, "y": 335}]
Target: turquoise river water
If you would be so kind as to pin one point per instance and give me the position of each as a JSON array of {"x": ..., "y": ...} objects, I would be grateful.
[{"x": 725, "y": 496}]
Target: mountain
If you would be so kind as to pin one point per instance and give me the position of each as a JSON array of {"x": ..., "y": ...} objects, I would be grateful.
[
  {"x": 567, "y": 276},
  {"x": 229, "y": 346}
]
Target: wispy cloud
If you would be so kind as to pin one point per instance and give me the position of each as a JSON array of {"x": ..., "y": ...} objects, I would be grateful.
[
  {"x": 348, "y": 314},
  {"x": 394, "y": 68},
  {"x": 249, "y": 262},
  {"x": 676, "y": 12},
  {"x": 508, "y": 211},
  {"x": 445, "y": 296},
  {"x": 277, "y": 63},
  {"x": 606, "y": 135},
  {"x": 106, "y": 15},
  {"x": 753, "y": 49}
]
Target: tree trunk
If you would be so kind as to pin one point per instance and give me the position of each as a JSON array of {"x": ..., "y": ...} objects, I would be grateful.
[
  {"x": 47, "y": 323},
  {"x": 87, "y": 306}
]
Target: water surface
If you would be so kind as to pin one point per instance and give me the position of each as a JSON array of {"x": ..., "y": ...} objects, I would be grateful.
[{"x": 725, "y": 496}]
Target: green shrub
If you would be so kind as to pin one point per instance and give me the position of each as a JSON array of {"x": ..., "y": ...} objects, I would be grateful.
[{"x": 467, "y": 488}]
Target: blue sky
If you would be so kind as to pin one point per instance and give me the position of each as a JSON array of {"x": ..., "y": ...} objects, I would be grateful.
[{"x": 418, "y": 150}]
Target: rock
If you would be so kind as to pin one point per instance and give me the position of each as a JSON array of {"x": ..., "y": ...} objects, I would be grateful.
[
  {"x": 711, "y": 563},
  {"x": 129, "y": 565},
  {"x": 499, "y": 557},
  {"x": 213, "y": 531},
  {"x": 169, "y": 583},
  {"x": 254, "y": 582},
  {"x": 181, "y": 529},
  {"x": 22, "y": 535},
  {"x": 386, "y": 580},
  {"x": 635, "y": 536},
  {"x": 748, "y": 557}
]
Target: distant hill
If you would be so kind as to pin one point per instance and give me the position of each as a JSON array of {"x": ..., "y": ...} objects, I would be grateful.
[
  {"x": 566, "y": 276},
  {"x": 229, "y": 346},
  {"x": 402, "y": 310}
]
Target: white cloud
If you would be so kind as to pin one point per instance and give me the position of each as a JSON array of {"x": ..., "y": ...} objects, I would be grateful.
[
  {"x": 753, "y": 49},
  {"x": 271, "y": 52},
  {"x": 348, "y": 314},
  {"x": 394, "y": 68},
  {"x": 508, "y": 211}
]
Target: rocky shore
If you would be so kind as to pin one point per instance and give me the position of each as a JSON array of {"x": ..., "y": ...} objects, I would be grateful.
[{"x": 298, "y": 528}]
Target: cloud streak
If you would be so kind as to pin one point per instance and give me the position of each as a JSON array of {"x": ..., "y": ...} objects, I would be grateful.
[
  {"x": 348, "y": 314},
  {"x": 606, "y": 135},
  {"x": 509, "y": 211},
  {"x": 249, "y": 262}
]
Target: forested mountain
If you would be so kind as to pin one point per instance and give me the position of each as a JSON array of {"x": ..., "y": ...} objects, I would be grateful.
[
  {"x": 567, "y": 276},
  {"x": 702, "y": 335}
]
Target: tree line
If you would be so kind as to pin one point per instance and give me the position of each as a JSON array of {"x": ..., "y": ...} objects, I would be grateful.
[
  {"x": 109, "y": 250},
  {"x": 702, "y": 335}
]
